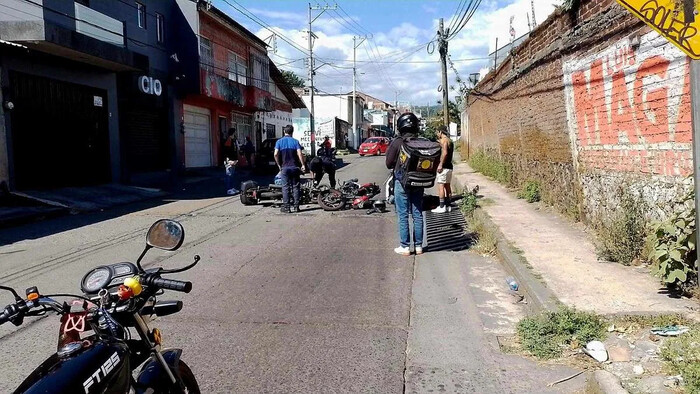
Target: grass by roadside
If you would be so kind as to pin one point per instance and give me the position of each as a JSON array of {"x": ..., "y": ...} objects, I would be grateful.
[{"x": 484, "y": 236}]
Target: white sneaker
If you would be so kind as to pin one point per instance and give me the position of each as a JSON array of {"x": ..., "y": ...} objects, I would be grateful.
[
  {"x": 403, "y": 251},
  {"x": 449, "y": 208},
  {"x": 439, "y": 210},
  {"x": 419, "y": 250},
  {"x": 232, "y": 191}
]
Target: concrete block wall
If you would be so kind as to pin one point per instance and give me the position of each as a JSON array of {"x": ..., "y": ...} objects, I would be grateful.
[{"x": 593, "y": 105}]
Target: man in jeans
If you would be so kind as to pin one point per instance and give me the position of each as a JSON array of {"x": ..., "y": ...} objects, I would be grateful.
[
  {"x": 406, "y": 200},
  {"x": 289, "y": 160}
]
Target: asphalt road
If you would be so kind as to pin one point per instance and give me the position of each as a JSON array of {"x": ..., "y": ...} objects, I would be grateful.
[{"x": 308, "y": 302}]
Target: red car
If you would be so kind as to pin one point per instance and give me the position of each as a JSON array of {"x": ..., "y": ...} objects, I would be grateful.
[{"x": 374, "y": 146}]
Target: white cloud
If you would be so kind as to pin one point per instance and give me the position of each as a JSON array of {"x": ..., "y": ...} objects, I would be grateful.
[{"x": 398, "y": 41}]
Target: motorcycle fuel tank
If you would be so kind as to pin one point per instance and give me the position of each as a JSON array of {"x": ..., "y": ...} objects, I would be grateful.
[{"x": 99, "y": 367}]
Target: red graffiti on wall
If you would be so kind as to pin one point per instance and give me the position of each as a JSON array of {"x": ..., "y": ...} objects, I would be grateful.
[{"x": 635, "y": 102}]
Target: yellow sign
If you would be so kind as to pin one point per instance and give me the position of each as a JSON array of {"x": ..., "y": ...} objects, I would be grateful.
[{"x": 668, "y": 18}]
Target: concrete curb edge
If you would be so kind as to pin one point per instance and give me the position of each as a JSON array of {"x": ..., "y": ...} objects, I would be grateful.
[{"x": 539, "y": 297}]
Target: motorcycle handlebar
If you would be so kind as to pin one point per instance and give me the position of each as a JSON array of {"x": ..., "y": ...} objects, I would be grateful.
[{"x": 169, "y": 284}]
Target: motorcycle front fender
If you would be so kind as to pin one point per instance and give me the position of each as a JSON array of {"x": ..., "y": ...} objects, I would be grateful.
[{"x": 152, "y": 373}]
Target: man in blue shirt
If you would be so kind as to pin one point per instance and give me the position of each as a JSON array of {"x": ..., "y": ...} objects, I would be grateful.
[{"x": 289, "y": 160}]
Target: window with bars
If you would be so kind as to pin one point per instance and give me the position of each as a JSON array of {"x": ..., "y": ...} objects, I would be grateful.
[
  {"x": 270, "y": 131},
  {"x": 237, "y": 69},
  {"x": 205, "y": 54},
  {"x": 243, "y": 125},
  {"x": 261, "y": 72}
]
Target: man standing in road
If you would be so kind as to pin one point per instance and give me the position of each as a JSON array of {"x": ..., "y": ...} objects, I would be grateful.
[
  {"x": 248, "y": 150},
  {"x": 444, "y": 171},
  {"x": 289, "y": 160},
  {"x": 230, "y": 160},
  {"x": 409, "y": 200}
]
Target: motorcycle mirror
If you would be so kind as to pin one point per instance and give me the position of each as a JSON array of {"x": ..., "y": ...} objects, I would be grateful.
[
  {"x": 165, "y": 234},
  {"x": 11, "y": 290}
]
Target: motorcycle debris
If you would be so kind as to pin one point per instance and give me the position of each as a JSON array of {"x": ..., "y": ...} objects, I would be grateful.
[{"x": 670, "y": 331}]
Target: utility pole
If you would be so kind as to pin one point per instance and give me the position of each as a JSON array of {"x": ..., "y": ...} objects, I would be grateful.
[
  {"x": 689, "y": 14},
  {"x": 396, "y": 112},
  {"x": 443, "y": 60},
  {"x": 356, "y": 136},
  {"x": 312, "y": 71}
]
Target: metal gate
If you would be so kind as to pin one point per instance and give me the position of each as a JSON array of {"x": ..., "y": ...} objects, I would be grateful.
[{"x": 59, "y": 132}]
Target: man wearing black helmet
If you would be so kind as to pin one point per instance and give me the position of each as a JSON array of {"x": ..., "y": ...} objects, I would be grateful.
[{"x": 406, "y": 200}]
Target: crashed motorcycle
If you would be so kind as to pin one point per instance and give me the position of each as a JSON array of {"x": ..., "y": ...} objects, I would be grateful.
[
  {"x": 97, "y": 351},
  {"x": 252, "y": 193},
  {"x": 349, "y": 192}
]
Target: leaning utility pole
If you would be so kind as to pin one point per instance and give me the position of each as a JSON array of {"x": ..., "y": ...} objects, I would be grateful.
[
  {"x": 312, "y": 71},
  {"x": 443, "y": 60},
  {"x": 354, "y": 89}
]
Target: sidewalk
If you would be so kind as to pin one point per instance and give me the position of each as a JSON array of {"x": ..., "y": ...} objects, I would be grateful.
[{"x": 566, "y": 259}]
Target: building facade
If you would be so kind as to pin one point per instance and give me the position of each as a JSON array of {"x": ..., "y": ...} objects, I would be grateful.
[
  {"x": 327, "y": 107},
  {"x": 94, "y": 87}
]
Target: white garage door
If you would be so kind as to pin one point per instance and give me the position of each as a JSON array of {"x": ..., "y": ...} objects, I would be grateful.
[{"x": 197, "y": 137}]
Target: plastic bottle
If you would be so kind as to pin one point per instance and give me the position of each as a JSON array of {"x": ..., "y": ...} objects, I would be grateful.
[{"x": 512, "y": 283}]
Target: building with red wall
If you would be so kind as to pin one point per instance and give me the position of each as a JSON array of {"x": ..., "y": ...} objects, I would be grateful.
[{"x": 234, "y": 85}]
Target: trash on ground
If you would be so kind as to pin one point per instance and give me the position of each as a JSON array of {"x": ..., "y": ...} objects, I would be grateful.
[
  {"x": 638, "y": 370},
  {"x": 596, "y": 349},
  {"x": 512, "y": 283},
  {"x": 670, "y": 331}
]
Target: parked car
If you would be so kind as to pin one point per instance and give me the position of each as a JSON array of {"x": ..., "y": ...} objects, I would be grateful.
[
  {"x": 374, "y": 146},
  {"x": 266, "y": 154}
]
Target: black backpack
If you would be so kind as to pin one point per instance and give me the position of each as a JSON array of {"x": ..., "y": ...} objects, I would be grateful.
[{"x": 417, "y": 163}]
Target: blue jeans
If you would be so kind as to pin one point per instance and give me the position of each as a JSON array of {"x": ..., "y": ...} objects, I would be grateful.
[
  {"x": 290, "y": 180},
  {"x": 230, "y": 171},
  {"x": 409, "y": 201}
]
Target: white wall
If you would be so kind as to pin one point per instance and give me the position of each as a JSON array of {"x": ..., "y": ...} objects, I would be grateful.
[
  {"x": 189, "y": 10},
  {"x": 277, "y": 118},
  {"x": 327, "y": 107}
]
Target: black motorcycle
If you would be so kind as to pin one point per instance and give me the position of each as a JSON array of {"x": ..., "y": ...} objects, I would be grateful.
[
  {"x": 96, "y": 350},
  {"x": 350, "y": 191},
  {"x": 252, "y": 193}
]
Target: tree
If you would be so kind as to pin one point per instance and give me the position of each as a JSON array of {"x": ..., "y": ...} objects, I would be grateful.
[
  {"x": 292, "y": 79},
  {"x": 436, "y": 120}
]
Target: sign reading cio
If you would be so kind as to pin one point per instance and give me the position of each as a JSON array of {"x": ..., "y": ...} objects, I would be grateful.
[{"x": 150, "y": 85}]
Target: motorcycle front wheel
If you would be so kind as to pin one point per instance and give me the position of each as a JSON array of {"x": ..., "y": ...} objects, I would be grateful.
[
  {"x": 188, "y": 381},
  {"x": 331, "y": 200}
]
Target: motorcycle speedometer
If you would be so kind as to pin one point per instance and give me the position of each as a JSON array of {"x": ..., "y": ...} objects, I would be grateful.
[{"x": 96, "y": 280}]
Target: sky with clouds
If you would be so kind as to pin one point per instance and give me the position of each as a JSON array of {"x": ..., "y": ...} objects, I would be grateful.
[{"x": 395, "y": 57}]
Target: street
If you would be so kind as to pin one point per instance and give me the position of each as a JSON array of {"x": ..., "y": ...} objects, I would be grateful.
[{"x": 309, "y": 302}]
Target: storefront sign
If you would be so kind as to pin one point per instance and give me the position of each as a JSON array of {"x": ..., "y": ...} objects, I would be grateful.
[
  {"x": 97, "y": 101},
  {"x": 150, "y": 85}
]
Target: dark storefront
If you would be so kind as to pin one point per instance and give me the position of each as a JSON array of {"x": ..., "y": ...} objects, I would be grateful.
[
  {"x": 95, "y": 89},
  {"x": 144, "y": 122},
  {"x": 60, "y": 133}
]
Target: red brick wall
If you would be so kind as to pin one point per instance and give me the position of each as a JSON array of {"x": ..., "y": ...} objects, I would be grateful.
[
  {"x": 222, "y": 40},
  {"x": 592, "y": 104}
]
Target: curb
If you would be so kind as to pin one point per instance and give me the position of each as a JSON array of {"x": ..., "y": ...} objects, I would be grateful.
[
  {"x": 604, "y": 382},
  {"x": 539, "y": 297}
]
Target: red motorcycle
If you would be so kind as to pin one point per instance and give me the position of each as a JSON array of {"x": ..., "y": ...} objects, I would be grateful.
[{"x": 358, "y": 196}]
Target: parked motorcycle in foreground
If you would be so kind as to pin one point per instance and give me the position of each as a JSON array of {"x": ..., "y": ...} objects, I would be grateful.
[
  {"x": 96, "y": 350},
  {"x": 359, "y": 196}
]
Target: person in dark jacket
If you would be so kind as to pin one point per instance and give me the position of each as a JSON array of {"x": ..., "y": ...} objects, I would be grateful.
[
  {"x": 230, "y": 151},
  {"x": 248, "y": 150},
  {"x": 324, "y": 162},
  {"x": 407, "y": 201}
]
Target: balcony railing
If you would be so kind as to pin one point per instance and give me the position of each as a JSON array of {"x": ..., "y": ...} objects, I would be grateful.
[{"x": 98, "y": 25}]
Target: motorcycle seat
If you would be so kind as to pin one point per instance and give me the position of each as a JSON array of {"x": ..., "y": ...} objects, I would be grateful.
[{"x": 275, "y": 187}]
